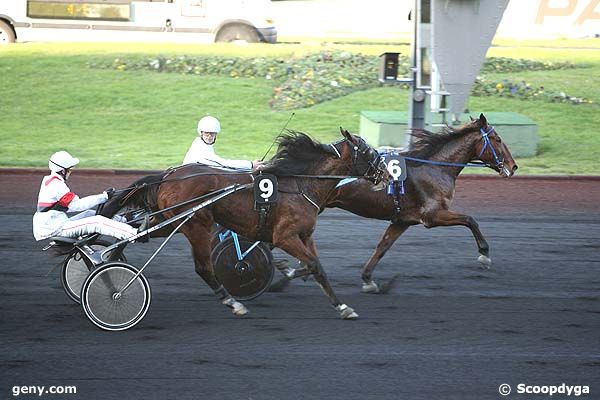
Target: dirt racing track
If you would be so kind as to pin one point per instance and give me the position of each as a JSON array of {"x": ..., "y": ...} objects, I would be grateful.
[{"x": 446, "y": 329}]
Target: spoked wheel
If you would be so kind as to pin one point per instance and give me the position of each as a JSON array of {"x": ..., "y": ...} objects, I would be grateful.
[
  {"x": 106, "y": 306},
  {"x": 76, "y": 269},
  {"x": 245, "y": 279}
]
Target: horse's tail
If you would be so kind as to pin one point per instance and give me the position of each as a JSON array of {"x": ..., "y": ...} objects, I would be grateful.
[{"x": 141, "y": 194}]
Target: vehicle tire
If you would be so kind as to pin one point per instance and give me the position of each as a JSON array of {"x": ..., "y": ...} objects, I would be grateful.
[
  {"x": 7, "y": 34},
  {"x": 246, "y": 279},
  {"x": 107, "y": 311},
  {"x": 237, "y": 33},
  {"x": 76, "y": 269}
]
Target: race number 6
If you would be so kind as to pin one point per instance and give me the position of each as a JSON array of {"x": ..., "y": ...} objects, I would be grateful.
[{"x": 394, "y": 169}]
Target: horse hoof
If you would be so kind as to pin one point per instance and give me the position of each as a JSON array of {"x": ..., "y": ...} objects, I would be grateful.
[
  {"x": 370, "y": 287},
  {"x": 352, "y": 316},
  {"x": 237, "y": 308},
  {"x": 289, "y": 272},
  {"x": 485, "y": 260},
  {"x": 240, "y": 310},
  {"x": 346, "y": 312}
]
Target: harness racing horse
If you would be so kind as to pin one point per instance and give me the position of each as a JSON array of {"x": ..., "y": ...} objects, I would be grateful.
[
  {"x": 307, "y": 174},
  {"x": 437, "y": 160}
]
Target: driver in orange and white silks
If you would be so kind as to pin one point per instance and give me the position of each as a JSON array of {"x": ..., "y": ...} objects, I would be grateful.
[
  {"x": 202, "y": 150},
  {"x": 56, "y": 199}
]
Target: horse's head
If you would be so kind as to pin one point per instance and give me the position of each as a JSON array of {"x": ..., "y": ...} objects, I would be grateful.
[
  {"x": 492, "y": 150},
  {"x": 364, "y": 159}
]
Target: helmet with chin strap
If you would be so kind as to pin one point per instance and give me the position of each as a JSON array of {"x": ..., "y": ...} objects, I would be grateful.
[
  {"x": 61, "y": 160},
  {"x": 209, "y": 124}
]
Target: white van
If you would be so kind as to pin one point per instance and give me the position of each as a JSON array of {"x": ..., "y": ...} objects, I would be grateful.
[{"x": 137, "y": 20}]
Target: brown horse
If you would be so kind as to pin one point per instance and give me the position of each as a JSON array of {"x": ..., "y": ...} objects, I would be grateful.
[
  {"x": 429, "y": 187},
  {"x": 306, "y": 173}
]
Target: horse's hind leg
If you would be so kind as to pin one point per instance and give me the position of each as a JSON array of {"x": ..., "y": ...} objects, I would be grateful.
[
  {"x": 391, "y": 234},
  {"x": 201, "y": 249},
  {"x": 306, "y": 252},
  {"x": 449, "y": 218}
]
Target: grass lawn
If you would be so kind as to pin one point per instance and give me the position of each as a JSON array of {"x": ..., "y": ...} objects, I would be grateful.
[{"x": 52, "y": 100}]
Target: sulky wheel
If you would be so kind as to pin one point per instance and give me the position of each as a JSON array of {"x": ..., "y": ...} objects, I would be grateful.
[
  {"x": 246, "y": 279},
  {"x": 76, "y": 269},
  {"x": 105, "y": 306}
]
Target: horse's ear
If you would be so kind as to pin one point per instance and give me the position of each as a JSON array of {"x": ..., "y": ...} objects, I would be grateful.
[
  {"x": 482, "y": 120},
  {"x": 347, "y": 135},
  {"x": 472, "y": 119}
]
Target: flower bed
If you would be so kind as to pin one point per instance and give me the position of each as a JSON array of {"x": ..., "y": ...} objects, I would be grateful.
[{"x": 315, "y": 78}]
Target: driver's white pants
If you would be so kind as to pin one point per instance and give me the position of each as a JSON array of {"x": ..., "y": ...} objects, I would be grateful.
[{"x": 95, "y": 224}]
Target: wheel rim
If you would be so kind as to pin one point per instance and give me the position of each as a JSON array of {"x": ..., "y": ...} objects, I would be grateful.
[
  {"x": 109, "y": 311},
  {"x": 76, "y": 272}
]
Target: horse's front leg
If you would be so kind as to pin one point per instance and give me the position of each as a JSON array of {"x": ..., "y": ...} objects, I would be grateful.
[
  {"x": 306, "y": 252},
  {"x": 199, "y": 238},
  {"x": 449, "y": 218},
  {"x": 391, "y": 234}
]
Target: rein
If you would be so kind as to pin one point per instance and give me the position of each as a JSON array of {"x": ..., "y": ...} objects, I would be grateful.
[
  {"x": 186, "y": 202},
  {"x": 323, "y": 176},
  {"x": 172, "y": 170},
  {"x": 233, "y": 173},
  {"x": 447, "y": 164},
  {"x": 356, "y": 148},
  {"x": 175, "y": 179},
  {"x": 486, "y": 143}
]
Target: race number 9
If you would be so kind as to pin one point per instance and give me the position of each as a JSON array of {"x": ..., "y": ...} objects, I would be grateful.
[{"x": 265, "y": 189}]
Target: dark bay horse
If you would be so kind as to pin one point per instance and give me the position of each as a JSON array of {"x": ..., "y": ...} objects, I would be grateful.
[
  {"x": 305, "y": 171},
  {"x": 429, "y": 188}
]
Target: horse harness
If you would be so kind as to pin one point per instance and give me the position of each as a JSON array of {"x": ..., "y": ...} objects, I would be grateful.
[{"x": 396, "y": 188}]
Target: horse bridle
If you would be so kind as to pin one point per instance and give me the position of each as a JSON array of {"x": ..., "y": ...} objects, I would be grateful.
[
  {"x": 376, "y": 168},
  {"x": 487, "y": 143}
]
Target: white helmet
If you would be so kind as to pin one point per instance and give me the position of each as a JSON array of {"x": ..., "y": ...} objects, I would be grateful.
[
  {"x": 62, "y": 160},
  {"x": 209, "y": 124}
]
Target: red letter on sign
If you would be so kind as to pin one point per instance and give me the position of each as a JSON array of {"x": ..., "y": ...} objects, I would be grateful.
[
  {"x": 546, "y": 11},
  {"x": 589, "y": 12}
]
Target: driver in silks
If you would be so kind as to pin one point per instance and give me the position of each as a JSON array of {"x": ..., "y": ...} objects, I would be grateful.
[
  {"x": 56, "y": 199},
  {"x": 202, "y": 151}
]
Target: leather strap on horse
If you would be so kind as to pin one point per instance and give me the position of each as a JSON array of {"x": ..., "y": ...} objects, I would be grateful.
[
  {"x": 397, "y": 208},
  {"x": 397, "y": 194},
  {"x": 136, "y": 189},
  {"x": 263, "y": 213}
]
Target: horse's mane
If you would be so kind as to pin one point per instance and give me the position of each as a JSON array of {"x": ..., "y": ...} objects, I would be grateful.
[
  {"x": 142, "y": 194},
  {"x": 296, "y": 153},
  {"x": 425, "y": 143}
]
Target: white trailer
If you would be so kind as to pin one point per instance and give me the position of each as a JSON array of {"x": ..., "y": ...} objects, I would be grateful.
[{"x": 137, "y": 20}]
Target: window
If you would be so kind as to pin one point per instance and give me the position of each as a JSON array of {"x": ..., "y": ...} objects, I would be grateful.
[{"x": 115, "y": 10}]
